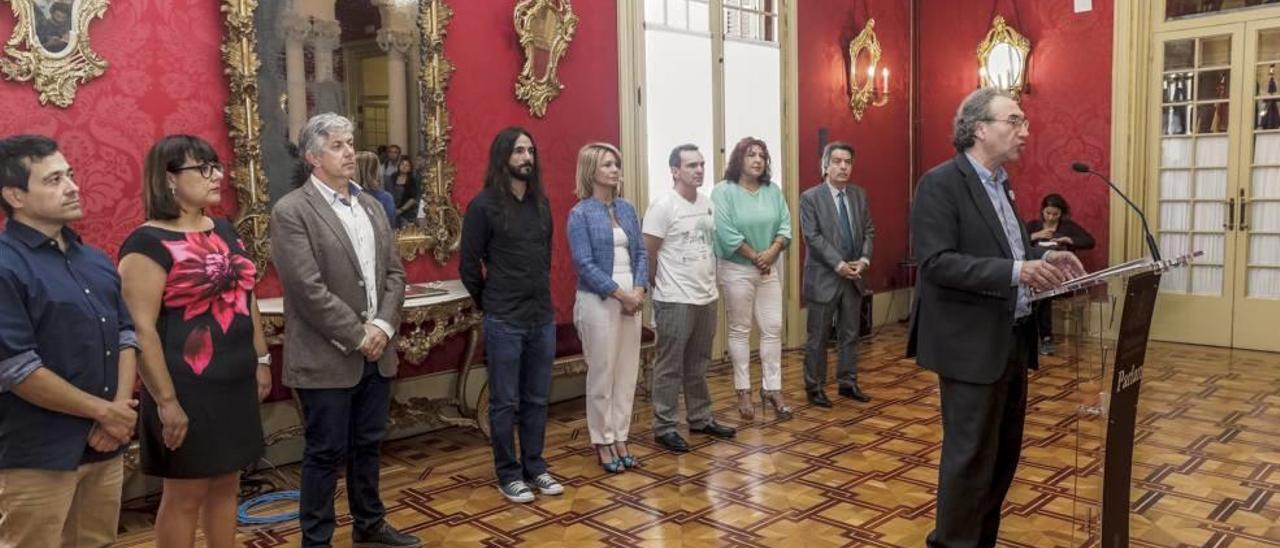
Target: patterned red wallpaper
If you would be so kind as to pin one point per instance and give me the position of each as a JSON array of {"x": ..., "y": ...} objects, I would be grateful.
[
  {"x": 881, "y": 139},
  {"x": 1069, "y": 103},
  {"x": 165, "y": 76},
  {"x": 482, "y": 101}
]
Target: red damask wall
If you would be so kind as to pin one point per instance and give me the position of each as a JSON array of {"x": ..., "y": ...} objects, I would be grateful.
[
  {"x": 881, "y": 138},
  {"x": 1069, "y": 103},
  {"x": 482, "y": 101},
  {"x": 165, "y": 76}
]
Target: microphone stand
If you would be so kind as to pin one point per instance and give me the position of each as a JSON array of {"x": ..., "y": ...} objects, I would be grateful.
[{"x": 1146, "y": 230}]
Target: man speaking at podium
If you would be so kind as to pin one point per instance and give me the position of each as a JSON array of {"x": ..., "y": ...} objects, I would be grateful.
[{"x": 970, "y": 319}]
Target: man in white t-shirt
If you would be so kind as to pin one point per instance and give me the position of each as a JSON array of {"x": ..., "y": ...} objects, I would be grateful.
[{"x": 678, "y": 231}]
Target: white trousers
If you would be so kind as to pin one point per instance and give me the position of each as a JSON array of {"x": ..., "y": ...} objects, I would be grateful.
[
  {"x": 611, "y": 347},
  {"x": 746, "y": 290}
]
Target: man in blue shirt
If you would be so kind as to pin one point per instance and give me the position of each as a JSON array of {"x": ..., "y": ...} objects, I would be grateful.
[{"x": 67, "y": 361}]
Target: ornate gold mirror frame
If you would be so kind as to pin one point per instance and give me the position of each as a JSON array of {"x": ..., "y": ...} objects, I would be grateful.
[
  {"x": 441, "y": 227},
  {"x": 545, "y": 26},
  {"x": 865, "y": 96},
  {"x": 62, "y": 24},
  {"x": 1000, "y": 46}
]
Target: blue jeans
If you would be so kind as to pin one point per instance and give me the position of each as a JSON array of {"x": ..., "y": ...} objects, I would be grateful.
[
  {"x": 342, "y": 424},
  {"x": 518, "y": 357}
]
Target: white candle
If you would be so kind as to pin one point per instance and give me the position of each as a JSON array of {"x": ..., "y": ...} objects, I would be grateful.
[{"x": 885, "y": 73}]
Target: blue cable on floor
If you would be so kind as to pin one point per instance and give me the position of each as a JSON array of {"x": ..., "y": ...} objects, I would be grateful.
[{"x": 242, "y": 514}]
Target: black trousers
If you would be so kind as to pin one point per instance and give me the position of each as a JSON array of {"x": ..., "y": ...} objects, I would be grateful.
[
  {"x": 847, "y": 308},
  {"x": 981, "y": 443},
  {"x": 342, "y": 424},
  {"x": 1044, "y": 318}
]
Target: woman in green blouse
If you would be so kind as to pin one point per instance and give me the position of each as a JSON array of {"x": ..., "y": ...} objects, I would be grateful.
[{"x": 753, "y": 226}]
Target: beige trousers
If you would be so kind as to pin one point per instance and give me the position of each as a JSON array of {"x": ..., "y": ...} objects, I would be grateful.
[
  {"x": 611, "y": 347},
  {"x": 745, "y": 291},
  {"x": 50, "y": 508}
]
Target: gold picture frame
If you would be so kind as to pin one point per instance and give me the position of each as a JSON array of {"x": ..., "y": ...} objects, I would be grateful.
[
  {"x": 50, "y": 46},
  {"x": 545, "y": 28},
  {"x": 441, "y": 230},
  {"x": 1002, "y": 58}
]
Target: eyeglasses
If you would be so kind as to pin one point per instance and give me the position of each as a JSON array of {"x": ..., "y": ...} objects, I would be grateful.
[
  {"x": 1016, "y": 122},
  {"x": 206, "y": 169}
]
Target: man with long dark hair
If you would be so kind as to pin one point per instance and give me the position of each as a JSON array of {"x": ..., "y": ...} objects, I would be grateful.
[{"x": 506, "y": 266}]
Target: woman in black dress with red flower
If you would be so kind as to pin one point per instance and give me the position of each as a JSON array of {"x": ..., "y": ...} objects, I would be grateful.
[{"x": 189, "y": 285}]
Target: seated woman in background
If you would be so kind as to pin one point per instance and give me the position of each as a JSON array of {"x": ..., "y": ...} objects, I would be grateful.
[
  {"x": 188, "y": 283},
  {"x": 367, "y": 176},
  {"x": 405, "y": 187},
  {"x": 1055, "y": 230}
]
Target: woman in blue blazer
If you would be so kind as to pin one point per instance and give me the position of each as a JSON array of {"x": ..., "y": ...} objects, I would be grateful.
[{"x": 612, "y": 266}]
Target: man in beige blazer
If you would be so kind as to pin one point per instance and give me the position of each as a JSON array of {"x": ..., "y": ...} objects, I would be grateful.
[{"x": 343, "y": 287}]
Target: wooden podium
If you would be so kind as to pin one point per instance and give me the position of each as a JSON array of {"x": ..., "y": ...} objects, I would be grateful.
[{"x": 1108, "y": 320}]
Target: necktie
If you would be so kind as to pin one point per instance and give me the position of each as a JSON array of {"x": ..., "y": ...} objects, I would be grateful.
[{"x": 846, "y": 227}]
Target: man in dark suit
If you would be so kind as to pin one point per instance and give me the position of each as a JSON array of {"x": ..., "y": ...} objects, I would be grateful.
[
  {"x": 343, "y": 288},
  {"x": 970, "y": 319},
  {"x": 837, "y": 229}
]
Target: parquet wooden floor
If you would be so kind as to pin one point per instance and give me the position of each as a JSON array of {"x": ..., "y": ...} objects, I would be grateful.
[{"x": 1206, "y": 472}]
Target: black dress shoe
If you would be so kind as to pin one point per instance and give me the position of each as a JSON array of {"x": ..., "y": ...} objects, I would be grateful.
[
  {"x": 672, "y": 441},
  {"x": 714, "y": 430},
  {"x": 854, "y": 393},
  {"x": 819, "y": 399},
  {"x": 384, "y": 536}
]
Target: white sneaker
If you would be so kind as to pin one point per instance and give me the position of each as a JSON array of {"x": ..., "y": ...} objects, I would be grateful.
[
  {"x": 548, "y": 485},
  {"x": 517, "y": 492}
]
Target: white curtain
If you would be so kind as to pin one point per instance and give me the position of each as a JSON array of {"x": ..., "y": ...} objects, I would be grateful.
[
  {"x": 679, "y": 106},
  {"x": 1264, "y": 251},
  {"x": 1211, "y": 151},
  {"x": 1267, "y": 149},
  {"x": 1175, "y": 152},
  {"x": 1266, "y": 183}
]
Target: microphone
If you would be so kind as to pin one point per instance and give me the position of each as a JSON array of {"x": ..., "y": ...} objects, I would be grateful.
[{"x": 1151, "y": 240}]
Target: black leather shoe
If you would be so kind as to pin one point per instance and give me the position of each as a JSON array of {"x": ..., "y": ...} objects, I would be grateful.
[
  {"x": 854, "y": 393},
  {"x": 819, "y": 399},
  {"x": 672, "y": 441},
  {"x": 384, "y": 536},
  {"x": 714, "y": 430}
]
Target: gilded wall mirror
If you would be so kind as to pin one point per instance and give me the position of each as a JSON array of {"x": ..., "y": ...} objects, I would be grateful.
[
  {"x": 1002, "y": 58},
  {"x": 545, "y": 28},
  {"x": 50, "y": 45},
  {"x": 381, "y": 64}
]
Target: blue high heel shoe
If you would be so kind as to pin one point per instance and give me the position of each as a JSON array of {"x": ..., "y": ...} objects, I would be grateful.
[{"x": 630, "y": 462}]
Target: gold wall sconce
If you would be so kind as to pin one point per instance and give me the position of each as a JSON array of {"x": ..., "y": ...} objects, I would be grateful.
[
  {"x": 863, "y": 92},
  {"x": 1002, "y": 59},
  {"x": 545, "y": 28}
]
